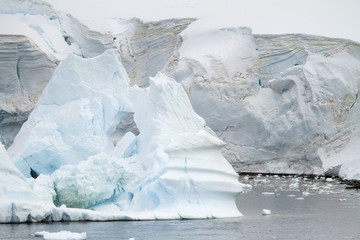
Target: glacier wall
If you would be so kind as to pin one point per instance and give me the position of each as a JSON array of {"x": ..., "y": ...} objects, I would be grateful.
[
  {"x": 25, "y": 71},
  {"x": 282, "y": 103}
]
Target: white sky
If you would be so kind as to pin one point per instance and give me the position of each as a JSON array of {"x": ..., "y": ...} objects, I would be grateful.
[{"x": 333, "y": 18}]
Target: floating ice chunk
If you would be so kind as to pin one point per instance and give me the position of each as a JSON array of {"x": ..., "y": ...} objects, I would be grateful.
[
  {"x": 294, "y": 185},
  {"x": 329, "y": 179},
  {"x": 306, "y": 193},
  {"x": 247, "y": 186},
  {"x": 291, "y": 195},
  {"x": 268, "y": 193},
  {"x": 299, "y": 198},
  {"x": 62, "y": 235},
  {"x": 266, "y": 212}
]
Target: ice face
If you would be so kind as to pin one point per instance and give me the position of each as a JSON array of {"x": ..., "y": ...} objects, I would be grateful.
[
  {"x": 173, "y": 169},
  {"x": 18, "y": 202},
  {"x": 75, "y": 115},
  {"x": 188, "y": 176},
  {"x": 282, "y": 103}
]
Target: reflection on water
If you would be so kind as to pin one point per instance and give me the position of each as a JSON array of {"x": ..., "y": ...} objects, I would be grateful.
[{"x": 301, "y": 209}]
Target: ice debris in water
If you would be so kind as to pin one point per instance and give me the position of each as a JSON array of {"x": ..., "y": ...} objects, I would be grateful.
[
  {"x": 294, "y": 185},
  {"x": 268, "y": 193},
  {"x": 266, "y": 212},
  {"x": 62, "y": 235},
  {"x": 305, "y": 193},
  {"x": 309, "y": 185}
]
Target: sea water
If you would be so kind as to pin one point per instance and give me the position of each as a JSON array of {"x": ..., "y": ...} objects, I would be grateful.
[{"x": 313, "y": 209}]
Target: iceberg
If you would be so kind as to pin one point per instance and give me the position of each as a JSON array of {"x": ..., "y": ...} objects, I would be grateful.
[
  {"x": 74, "y": 115},
  {"x": 173, "y": 169}
]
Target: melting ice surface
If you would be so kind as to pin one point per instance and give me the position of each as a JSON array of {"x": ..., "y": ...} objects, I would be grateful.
[{"x": 172, "y": 170}]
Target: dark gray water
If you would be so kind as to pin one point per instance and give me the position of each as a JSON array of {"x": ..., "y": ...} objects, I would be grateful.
[{"x": 316, "y": 210}]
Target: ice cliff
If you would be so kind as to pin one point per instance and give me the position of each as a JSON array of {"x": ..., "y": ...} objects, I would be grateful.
[
  {"x": 34, "y": 38},
  {"x": 173, "y": 169},
  {"x": 281, "y": 103}
]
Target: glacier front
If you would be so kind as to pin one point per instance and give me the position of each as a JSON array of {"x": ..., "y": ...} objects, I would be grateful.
[
  {"x": 172, "y": 169},
  {"x": 282, "y": 103}
]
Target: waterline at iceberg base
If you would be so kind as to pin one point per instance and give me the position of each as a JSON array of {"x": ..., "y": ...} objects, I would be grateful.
[{"x": 172, "y": 169}]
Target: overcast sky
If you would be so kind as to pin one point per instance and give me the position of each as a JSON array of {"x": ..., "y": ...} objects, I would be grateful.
[{"x": 333, "y": 18}]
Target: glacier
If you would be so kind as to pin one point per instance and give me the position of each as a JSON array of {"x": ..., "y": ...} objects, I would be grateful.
[
  {"x": 281, "y": 103},
  {"x": 173, "y": 169},
  {"x": 135, "y": 145}
]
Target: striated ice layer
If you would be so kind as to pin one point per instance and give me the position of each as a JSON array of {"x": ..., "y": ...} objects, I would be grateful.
[
  {"x": 173, "y": 169},
  {"x": 282, "y": 103}
]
